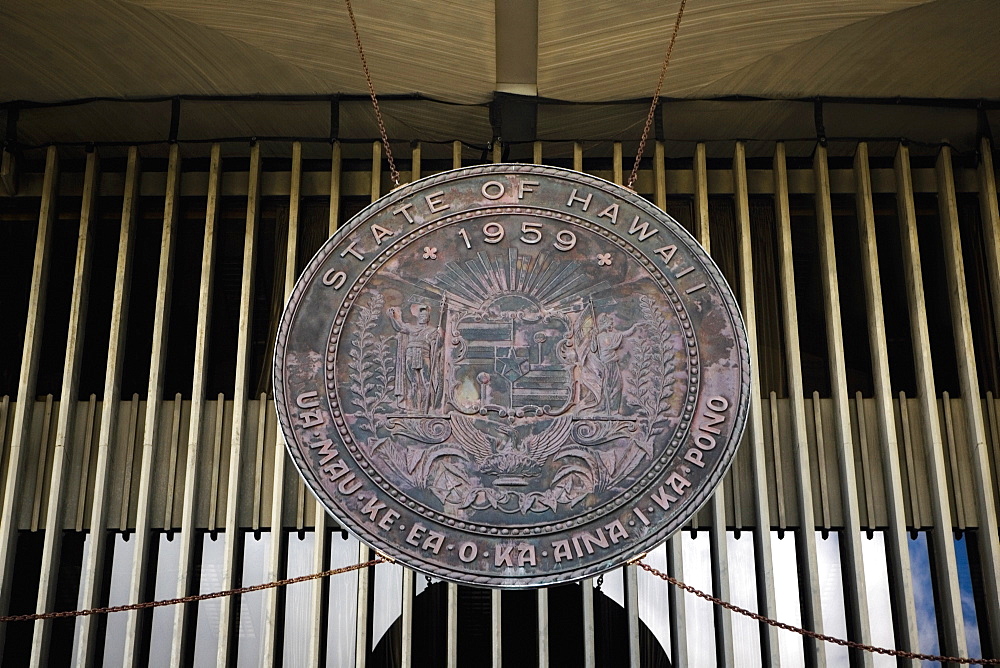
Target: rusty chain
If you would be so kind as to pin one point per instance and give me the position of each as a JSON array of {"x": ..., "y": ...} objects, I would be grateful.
[
  {"x": 371, "y": 90},
  {"x": 902, "y": 654},
  {"x": 192, "y": 598},
  {"x": 645, "y": 130},
  {"x": 656, "y": 97},
  {"x": 381, "y": 559}
]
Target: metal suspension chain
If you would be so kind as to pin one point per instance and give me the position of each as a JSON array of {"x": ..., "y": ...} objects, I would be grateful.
[
  {"x": 371, "y": 89},
  {"x": 812, "y": 634},
  {"x": 383, "y": 559},
  {"x": 189, "y": 599},
  {"x": 656, "y": 97},
  {"x": 645, "y": 131}
]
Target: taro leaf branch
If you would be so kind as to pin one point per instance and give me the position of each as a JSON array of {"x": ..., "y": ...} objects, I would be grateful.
[{"x": 371, "y": 372}]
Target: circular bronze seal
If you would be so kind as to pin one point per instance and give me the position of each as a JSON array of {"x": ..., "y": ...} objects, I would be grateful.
[{"x": 512, "y": 375}]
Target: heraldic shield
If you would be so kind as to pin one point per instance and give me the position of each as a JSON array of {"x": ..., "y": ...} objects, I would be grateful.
[{"x": 510, "y": 358}]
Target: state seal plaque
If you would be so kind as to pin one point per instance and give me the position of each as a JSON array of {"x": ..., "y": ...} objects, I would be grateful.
[{"x": 512, "y": 375}]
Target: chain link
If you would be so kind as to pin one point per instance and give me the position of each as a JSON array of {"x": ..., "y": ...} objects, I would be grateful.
[
  {"x": 812, "y": 634},
  {"x": 371, "y": 90},
  {"x": 189, "y": 599},
  {"x": 656, "y": 97},
  {"x": 600, "y": 580}
]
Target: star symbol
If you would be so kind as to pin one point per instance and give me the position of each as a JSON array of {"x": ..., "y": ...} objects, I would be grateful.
[
  {"x": 430, "y": 253},
  {"x": 604, "y": 259},
  {"x": 509, "y": 365}
]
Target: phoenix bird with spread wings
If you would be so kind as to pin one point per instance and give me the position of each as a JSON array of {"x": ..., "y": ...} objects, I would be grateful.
[{"x": 511, "y": 455}]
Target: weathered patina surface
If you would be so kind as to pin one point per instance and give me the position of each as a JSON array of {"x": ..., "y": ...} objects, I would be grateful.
[{"x": 512, "y": 375}]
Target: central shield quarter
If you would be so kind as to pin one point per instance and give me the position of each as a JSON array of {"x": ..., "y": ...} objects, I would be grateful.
[{"x": 511, "y": 360}]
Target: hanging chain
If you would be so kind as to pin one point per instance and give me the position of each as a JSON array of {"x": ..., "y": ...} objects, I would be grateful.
[
  {"x": 189, "y": 599},
  {"x": 812, "y": 634},
  {"x": 600, "y": 580},
  {"x": 656, "y": 97},
  {"x": 371, "y": 90},
  {"x": 645, "y": 131}
]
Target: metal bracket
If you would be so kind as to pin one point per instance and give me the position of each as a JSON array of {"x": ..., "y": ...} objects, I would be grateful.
[{"x": 636, "y": 559}]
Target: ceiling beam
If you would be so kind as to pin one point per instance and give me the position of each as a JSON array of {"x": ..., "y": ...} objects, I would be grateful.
[{"x": 517, "y": 46}]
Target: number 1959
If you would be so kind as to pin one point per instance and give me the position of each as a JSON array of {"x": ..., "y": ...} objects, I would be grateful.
[{"x": 531, "y": 233}]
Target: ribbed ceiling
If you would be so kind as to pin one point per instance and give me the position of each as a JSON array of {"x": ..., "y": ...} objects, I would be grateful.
[
  {"x": 602, "y": 53},
  {"x": 596, "y": 51},
  {"x": 52, "y": 50}
]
